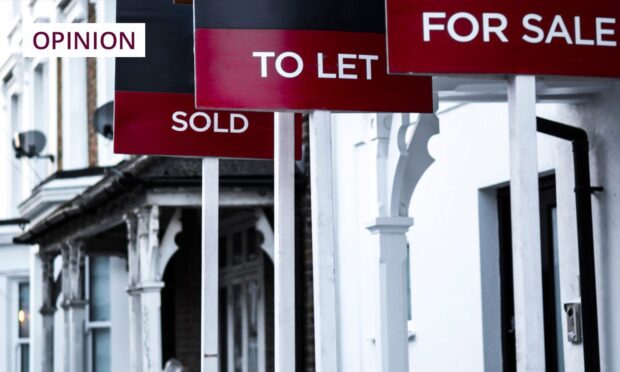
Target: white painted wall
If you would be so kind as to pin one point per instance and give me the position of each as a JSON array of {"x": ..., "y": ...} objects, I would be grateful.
[
  {"x": 24, "y": 173},
  {"x": 453, "y": 241},
  {"x": 357, "y": 278},
  {"x": 601, "y": 119},
  {"x": 471, "y": 152}
]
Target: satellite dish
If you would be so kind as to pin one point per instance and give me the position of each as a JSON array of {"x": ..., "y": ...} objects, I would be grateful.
[
  {"x": 29, "y": 144},
  {"x": 103, "y": 120}
]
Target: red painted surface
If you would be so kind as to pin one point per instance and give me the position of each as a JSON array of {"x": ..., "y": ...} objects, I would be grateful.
[
  {"x": 143, "y": 125},
  {"x": 409, "y": 53},
  {"x": 228, "y": 76}
]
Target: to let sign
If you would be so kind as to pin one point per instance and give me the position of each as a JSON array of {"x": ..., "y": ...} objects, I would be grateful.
[
  {"x": 537, "y": 37},
  {"x": 299, "y": 55},
  {"x": 154, "y": 110}
]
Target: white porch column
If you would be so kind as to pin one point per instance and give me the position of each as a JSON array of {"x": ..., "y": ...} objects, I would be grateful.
[
  {"x": 149, "y": 288},
  {"x": 398, "y": 162},
  {"x": 74, "y": 305},
  {"x": 135, "y": 318},
  {"x": 391, "y": 241},
  {"x": 323, "y": 243},
  {"x": 48, "y": 309},
  {"x": 525, "y": 216}
]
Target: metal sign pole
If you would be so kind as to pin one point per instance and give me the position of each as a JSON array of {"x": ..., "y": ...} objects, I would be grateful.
[
  {"x": 210, "y": 270},
  {"x": 323, "y": 242},
  {"x": 284, "y": 241},
  {"x": 525, "y": 217}
]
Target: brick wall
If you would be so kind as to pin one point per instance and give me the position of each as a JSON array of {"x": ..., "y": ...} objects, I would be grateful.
[
  {"x": 91, "y": 91},
  {"x": 59, "y": 114}
]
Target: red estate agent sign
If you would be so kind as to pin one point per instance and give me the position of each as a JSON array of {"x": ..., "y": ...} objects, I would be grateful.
[
  {"x": 534, "y": 37},
  {"x": 168, "y": 124},
  {"x": 299, "y": 55},
  {"x": 154, "y": 102}
]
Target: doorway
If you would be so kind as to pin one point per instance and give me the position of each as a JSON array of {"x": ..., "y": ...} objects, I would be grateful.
[
  {"x": 244, "y": 298},
  {"x": 552, "y": 305}
]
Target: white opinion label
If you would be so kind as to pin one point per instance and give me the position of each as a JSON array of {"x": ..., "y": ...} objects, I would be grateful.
[{"x": 84, "y": 40}]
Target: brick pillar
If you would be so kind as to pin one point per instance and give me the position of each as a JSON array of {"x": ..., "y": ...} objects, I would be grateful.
[{"x": 91, "y": 91}]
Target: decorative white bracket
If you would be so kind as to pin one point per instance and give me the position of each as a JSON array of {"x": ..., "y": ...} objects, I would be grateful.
[
  {"x": 168, "y": 244},
  {"x": 264, "y": 228},
  {"x": 148, "y": 258},
  {"x": 401, "y": 157},
  {"x": 148, "y": 244},
  {"x": 408, "y": 158},
  {"x": 73, "y": 273}
]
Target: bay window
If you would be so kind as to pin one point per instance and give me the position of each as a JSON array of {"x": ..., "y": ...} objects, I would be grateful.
[{"x": 22, "y": 344}]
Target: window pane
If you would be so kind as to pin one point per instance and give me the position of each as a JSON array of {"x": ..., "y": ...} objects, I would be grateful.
[
  {"x": 223, "y": 330},
  {"x": 237, "y": 248},
  {"x": 101, "y": 350},
  {"x": 252, "y": 245},
  {"x": 252, "y": 316},
  {"x": 223, "y": 253},
  {"x": 23, "y": 313},
  {"x": 24, "y": 358},
  {"x": 99, "y": 279}
]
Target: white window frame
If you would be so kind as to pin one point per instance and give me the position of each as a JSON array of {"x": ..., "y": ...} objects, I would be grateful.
[
  {"x": 240, "y": 274},
  {"x": 41, "y": 166},
  {"x": 90, "y": 326},
  {"x": 13, "y": 87},
  {"x": 16, "y": 341},
  {"x": 16, "y": 171}
]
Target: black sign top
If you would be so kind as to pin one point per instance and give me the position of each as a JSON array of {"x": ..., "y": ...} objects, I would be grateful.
[
  {"x": 169, "y": 62},
  {"x": 327, "y": 15}
]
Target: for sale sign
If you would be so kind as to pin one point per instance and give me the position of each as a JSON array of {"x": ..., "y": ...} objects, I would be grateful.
[
  {"x": 154, "y": 109},
  {"x": 299, "y": 55},
  {"x": 540, "y": 37}
]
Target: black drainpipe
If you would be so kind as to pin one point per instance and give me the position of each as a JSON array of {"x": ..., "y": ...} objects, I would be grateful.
[{"x": 585, "y": 238}]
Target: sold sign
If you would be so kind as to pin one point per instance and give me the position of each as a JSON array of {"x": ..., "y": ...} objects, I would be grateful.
[
  {"x": 154, "y": 110},
  {"x": 541, "y": 37}
]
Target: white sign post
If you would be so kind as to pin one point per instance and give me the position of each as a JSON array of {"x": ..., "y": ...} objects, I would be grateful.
[
  {"x": 284, "y": 241},
  {"x": 210, "y": 262},
  {"x": 525, "y": 216},
  {"x": 323, "y": 242}
]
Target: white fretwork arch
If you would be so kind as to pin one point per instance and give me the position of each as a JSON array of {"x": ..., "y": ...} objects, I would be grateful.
[{"x": 400, "y": 155}]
